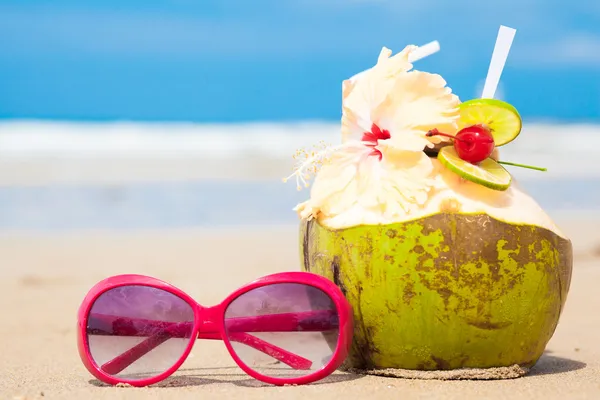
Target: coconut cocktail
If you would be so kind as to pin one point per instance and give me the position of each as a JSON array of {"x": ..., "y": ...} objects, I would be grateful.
[{"x": 447, "y": 263}]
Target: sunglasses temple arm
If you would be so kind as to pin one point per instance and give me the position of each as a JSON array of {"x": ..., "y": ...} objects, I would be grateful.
[
  {"x": 119, "y": 363},
  {"x": 305, "y": 321},
  {"x": 291, "y": 359}
]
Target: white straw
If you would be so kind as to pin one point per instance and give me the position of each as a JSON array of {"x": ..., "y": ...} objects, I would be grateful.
[
  {"x": 499, "y": 56},
  {"x": 418, "y": 54},
  {"x": 424, "y": 51}
]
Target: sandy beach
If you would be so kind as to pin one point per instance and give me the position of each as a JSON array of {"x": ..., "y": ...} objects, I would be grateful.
[{"x": 45, "y": 277}]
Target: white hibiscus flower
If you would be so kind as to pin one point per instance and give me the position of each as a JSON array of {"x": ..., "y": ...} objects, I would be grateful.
[{"x": 380, "y": 170}]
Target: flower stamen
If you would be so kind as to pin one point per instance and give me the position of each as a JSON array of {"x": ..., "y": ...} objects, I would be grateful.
[{"x": 313, "y": 160}]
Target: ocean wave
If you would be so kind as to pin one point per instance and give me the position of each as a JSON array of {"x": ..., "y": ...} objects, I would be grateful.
[
  {"x": 123, "y": 139},
  {"x": 31, "y": 138},
  {"x": 61, "y": 151}
]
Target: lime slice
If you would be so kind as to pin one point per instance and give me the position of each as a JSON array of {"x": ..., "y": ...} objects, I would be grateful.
[
  {"x": 502, "y": 118},
  {"x": 488, "y": 173}
]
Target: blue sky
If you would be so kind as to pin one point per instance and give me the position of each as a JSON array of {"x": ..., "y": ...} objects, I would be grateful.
[{"x": 280, "y": 60}]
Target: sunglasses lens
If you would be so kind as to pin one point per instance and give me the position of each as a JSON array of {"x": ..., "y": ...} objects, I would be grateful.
[
  {"x": 138, "y": 332},
  {"x": 283, "y": 330}
]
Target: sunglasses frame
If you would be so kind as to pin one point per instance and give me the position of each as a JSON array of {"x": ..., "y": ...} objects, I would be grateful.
[{"x": 215, "y": 318}]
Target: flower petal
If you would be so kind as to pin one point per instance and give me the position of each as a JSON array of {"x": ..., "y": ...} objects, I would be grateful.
[
  {"x": 355, "y": 179},
  {"x": 420, "y": 102},
  {"x": 366, "y": 97},
  {"x": 405, "y": 180},
  {"x": 329, "y": 186}
]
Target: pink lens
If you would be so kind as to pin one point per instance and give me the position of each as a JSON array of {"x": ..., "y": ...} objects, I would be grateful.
[
  {"x": 283, "y": 330},
  {"x": 137, "y": 332}
]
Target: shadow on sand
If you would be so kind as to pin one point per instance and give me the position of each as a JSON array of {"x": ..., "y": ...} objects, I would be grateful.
[
  {"x": 194, "y": 377},
  {"x": 549, "y": 364}
]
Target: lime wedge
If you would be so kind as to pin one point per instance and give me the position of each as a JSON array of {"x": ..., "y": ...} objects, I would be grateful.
[
  {"x": 502, "y": 118},
  {"x": 488, "y": 173}
]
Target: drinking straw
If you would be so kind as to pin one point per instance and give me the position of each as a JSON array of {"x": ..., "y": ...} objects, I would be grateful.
[
  {"x": 421, "y": 52},
  {"x": 503, "y": 43},
  {"x": 424, "y": 51}
]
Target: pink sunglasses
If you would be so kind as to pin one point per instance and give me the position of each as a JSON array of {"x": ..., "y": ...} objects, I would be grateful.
[{"x": 286, "y": 328}]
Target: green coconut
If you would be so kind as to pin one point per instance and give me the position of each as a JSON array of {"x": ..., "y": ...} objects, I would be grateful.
[
  {"x": 443, "y": 272},
  {"x": 445, "y": 291}
]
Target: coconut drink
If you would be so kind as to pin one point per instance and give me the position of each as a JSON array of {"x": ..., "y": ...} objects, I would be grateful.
[{"x": 447, "y": 263}]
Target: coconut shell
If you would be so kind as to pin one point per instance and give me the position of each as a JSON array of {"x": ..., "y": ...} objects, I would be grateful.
[{"x": 446, "y": 291}]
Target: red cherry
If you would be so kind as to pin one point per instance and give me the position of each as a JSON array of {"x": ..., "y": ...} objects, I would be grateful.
[{"x": 473, "y": 143}]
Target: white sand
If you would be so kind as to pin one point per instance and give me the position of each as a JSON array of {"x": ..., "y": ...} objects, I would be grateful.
[{"x": 44, "y": 279}]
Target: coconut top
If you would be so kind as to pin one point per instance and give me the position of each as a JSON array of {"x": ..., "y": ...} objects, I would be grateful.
[{"x": 380, "y": 173}]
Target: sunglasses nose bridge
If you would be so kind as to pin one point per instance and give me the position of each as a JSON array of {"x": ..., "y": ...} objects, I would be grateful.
[{"x": 211, "y": 320}]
